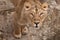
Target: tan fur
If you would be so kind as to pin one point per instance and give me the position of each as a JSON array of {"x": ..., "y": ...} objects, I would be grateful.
[{"x": 28, "y": 12}]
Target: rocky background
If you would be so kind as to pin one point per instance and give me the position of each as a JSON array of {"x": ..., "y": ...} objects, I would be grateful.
[{"x": 51, "y": 24}]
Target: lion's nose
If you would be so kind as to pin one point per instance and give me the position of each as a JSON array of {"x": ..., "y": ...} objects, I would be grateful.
[{"x": 36, "y": 24}]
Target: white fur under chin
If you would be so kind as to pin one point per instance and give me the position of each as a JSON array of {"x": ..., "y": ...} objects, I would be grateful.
[{"x": 18, "y": 36}]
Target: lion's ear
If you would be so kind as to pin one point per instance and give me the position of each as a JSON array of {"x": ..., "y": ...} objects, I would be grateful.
[
  {"x": 27, "y": 5},
  {"x": 45, "y": 6}
]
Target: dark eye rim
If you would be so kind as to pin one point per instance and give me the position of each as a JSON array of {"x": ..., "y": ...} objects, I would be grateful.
[
  {"x": 31, "y": 14},
  {"x": 41, "y": 13}
]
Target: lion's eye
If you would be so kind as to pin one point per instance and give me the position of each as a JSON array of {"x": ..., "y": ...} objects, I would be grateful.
[
  {"x": 41, "y": 13},
  {"x": 31, "y": 14}
]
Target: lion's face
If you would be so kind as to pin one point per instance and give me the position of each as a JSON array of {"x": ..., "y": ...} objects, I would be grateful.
[{"x": 34, "y": 13}]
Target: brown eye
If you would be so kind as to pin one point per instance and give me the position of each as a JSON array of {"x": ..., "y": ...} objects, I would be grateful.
[
  {"x": 41, "y": 13},
  {"x": 31, "y": 14}
]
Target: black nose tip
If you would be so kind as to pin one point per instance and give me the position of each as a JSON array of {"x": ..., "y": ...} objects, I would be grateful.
[{"x": 36, "y": 23}]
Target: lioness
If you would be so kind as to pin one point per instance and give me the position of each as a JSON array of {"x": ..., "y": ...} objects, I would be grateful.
[{"x": 30, "y": 13}]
